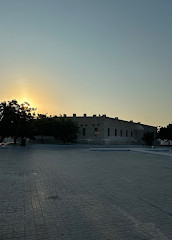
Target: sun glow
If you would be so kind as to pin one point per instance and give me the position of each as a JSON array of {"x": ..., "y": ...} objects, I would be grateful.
[
  {"x": 26, "y": 91},
  {"x": 26, "y": 105}
]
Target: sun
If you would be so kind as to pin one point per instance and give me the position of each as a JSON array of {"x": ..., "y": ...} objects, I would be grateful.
[
  {"x": 28, "y": 103},
  {"x": 25, "y": 105}
]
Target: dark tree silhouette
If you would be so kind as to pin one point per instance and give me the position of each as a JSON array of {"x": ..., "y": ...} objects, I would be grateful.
[
  {"x": 43, "y": 126},
  {"x": 16, "y": 120},
  {"x": 8, "y": 118},
  {"x": 165, "y": 132},
  {"x": 148, "y": 138},
  {"x": 65, "y": 130},
  {"x": 62, "y": 129}
]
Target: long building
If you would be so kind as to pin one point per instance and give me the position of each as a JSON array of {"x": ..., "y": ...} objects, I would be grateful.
[{"x": 106, "y": 130}]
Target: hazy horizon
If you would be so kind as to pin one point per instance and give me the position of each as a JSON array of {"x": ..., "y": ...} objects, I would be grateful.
[{"x": 96, "y": 57}]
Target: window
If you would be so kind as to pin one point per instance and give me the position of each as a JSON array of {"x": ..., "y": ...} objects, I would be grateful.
[
  {"x": 131, "y": 133},
  {"x": 96, "y": 132},
  {"x": 83, "y": 132},
  {"x": 126, "y": 133},
  {"x": 108, "y": 132},
  {"x": 115, "y": 132},
  {"x": 121, "y": 132}
]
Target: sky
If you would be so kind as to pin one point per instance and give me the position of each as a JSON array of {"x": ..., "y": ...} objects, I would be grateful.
[{"x": 110, "y": 57}]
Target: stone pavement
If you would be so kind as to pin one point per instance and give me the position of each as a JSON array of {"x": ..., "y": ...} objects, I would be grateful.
[{"x": 56, "y": 192}]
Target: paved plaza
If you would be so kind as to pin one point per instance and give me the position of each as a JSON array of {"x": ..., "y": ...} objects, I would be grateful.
[{"x": 82, "y": 193}]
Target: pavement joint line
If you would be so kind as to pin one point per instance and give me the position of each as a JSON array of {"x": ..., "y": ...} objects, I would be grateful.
[{"x": 159, "y": 152}]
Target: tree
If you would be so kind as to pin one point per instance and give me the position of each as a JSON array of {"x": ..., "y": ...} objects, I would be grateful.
[
  {"x": 60, "y": 128},
  {"x": 42, "y": 124},
  {"x": 16, "y": 120},
  {"x": 165, "y": 132},
  {"x": 8, "y": 118},
  {"x": 148, "y": 138},
  {"x": 65, "y": 130}
]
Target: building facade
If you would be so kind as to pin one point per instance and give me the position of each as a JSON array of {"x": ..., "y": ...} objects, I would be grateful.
[{"x": 105, "y": 130}]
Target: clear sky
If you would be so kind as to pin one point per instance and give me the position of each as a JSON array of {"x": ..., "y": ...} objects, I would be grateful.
[{"x": 110, "y": 57}]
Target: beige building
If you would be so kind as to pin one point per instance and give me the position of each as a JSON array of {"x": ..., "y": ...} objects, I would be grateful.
[{"x": 105, "y": 130}]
